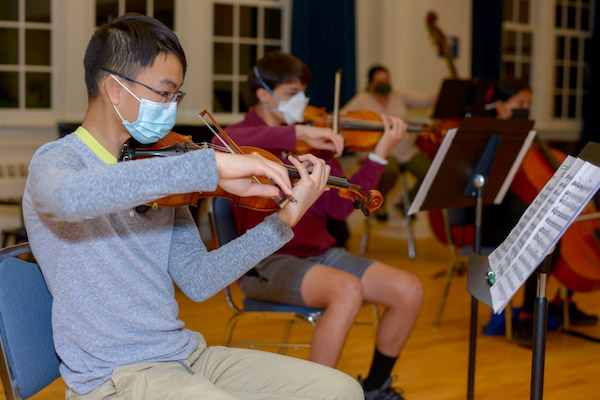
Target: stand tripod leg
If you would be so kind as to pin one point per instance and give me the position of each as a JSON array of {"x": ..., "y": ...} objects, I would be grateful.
[
  {"x": 540, "y": 315},
  {"x": 409, "y": 219},
  {"x": 472, "y": 348},
  {"x": 438, "y": 315},
  {"x": 565, "y": 308}
]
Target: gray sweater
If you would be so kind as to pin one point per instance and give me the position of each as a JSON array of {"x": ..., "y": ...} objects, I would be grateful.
[{"x": 110, "y": 270}]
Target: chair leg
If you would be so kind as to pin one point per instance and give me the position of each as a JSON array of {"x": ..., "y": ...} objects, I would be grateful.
[
  {"x": 286, "y": 335},
  {"x": 364, "y": 240},
  {"x": 564, "y": 295},
  {"x": 411, "y": 235},
  {"x": 229, "y": 328}
]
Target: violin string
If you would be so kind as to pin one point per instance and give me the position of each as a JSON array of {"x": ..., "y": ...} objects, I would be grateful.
[
  {"x": 334, "y": 180},
  {"x": 342, "y": 182},
  {"x": 354, "y": 123}
]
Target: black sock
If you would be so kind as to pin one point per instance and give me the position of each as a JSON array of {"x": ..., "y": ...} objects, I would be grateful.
[{"x": 381, "y": 368}]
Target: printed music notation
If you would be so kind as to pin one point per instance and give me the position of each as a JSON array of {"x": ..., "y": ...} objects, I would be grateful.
[{"x": 541, "y": 226}]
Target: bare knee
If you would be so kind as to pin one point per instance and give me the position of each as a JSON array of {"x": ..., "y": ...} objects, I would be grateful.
[
  {"x": 346, "y": 293},
  {"x": 407, "y": 292},
  {"x": 413, "y": 292}
]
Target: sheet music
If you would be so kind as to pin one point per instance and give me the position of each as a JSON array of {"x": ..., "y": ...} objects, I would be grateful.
[
  {"x": 540, "y": 227},
  {"x": 508, "y": 246}
]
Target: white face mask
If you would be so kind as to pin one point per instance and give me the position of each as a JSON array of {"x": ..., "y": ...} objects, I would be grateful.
[{"x": 292, "y": 109}]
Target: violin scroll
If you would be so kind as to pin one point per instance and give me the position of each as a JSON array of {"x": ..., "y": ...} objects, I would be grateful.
[{"x": 367, "y": 204}]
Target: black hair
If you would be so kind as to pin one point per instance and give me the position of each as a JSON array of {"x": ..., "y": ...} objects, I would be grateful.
[
  {"x": 507, "y": 88},
  {"x": 128, "y": 45},
  {"x": 375, "y": 69},
  {"x": 276, "y": 68}
]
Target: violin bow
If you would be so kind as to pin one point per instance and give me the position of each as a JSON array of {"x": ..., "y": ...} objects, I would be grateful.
[
  {"x": 336, "y": 100},
  {"x": 235, "y": 149},
  {"x": 221, "y": 135}
]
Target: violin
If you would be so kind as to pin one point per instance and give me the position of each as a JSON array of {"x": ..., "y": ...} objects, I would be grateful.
[
  {"x": 361, "y": 129},
  {"x": 175, "y": 144}
]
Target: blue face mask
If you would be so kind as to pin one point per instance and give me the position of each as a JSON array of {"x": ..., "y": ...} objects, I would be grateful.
[{"x": 154, "y": 121}]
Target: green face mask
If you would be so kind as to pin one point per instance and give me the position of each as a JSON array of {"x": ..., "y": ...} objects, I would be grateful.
[{"x": 382, "y": 88}]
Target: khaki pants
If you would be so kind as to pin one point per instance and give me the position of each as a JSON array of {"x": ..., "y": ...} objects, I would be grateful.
[{"x": 226, "y": 373}]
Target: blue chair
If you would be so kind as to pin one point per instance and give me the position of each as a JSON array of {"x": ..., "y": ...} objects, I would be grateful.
[
  {"x": 223, "y": 229},
  {"x": 29, "y": 362}
]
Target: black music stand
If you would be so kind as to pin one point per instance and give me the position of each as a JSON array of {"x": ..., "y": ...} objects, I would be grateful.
[
  {"x": 478, "y": 286},
  {"x": 453, "y": 99},
  {"x": 484, "y": 153},
  {"x": 461, "y": 97}
]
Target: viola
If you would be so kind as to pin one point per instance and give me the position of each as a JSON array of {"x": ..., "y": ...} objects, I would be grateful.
[
  {"x": 175, "y": 144},
  {"x": 361, "y": 129}
]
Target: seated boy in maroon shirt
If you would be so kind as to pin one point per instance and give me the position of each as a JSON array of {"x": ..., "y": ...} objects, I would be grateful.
[{"x": 309, "y": 270}]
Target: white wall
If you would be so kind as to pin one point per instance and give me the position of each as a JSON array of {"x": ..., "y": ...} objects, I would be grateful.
[{"x": 394, "y": 33}]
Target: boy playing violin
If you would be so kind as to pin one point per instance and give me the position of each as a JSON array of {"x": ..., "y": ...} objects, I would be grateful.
[
  {"x": 110, "y": 269},
  {"x": 309, "y": 270}
]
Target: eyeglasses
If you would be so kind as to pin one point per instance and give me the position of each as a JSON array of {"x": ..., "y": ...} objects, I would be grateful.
[{"x": 167, "y": 96}]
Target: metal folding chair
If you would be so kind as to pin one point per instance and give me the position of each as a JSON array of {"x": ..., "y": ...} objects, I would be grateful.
[
  {"x": 412, "y": 253},
  {"x": 223, "y": 228}
]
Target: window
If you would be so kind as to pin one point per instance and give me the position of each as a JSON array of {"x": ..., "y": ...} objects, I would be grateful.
[
  {"x": 162, "y": 10},
  {"x": 573, "y": 29},
  {"x": 517, "y": 40},
  {"x": 25, "y": 54},
  {"x": 243, "y": 32}
]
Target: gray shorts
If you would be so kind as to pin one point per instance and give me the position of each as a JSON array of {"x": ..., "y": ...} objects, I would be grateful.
[{"x": 281, "y": 275}]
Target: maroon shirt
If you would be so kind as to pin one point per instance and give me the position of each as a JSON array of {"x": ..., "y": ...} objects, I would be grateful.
[{"x": 310, "y": 233}]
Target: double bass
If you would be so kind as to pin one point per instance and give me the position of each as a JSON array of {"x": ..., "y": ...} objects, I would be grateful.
[{"x": 463, "y": 235}]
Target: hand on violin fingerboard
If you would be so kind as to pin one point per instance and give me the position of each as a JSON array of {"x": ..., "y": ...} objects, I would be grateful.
[
  {"x": 394, "y": 130},
  {"x": 320, "y": 138},
  {"x": 308, "y": 189},
  {"x": 237, "y": 175}
]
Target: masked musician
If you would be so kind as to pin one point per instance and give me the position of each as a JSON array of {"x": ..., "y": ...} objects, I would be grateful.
[
  {"x": 111, "y": 270},
  {"x": 309, "y": 270}
]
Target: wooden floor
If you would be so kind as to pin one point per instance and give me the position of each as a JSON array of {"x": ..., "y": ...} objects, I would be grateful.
[{"x": 433, "y": 365}]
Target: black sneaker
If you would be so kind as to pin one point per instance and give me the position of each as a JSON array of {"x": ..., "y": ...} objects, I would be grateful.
[
  {"x": 576, "y": 316},
  {"x": 523, "y": 331},
  {"x": 385, "y": 392}
]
